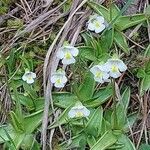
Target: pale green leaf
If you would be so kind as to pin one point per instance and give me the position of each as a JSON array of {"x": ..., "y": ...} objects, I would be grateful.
[
  {"x": 93, "y": 126},
  {"x": 101, "y": 10},
  {"x": 31, "y": 122},
  {"x": 105, "y": 141},
  {"x": 126, "y": 22},
  {"x": 86, "y": 88},
  {"x": 64, "y": 99},
  {"x": 121, "y": 41},
  {"x": 128, "y": 145},
  {"x": 144, "y": 147}
]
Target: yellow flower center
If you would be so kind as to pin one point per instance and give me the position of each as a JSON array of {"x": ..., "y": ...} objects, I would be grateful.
[
  {"x": 29, "y": 78},
  {"x": 114, "y": 68},
  {"x": 68, "y": 55},
  {"x": 58, "y": 81},
  {"x": 97, "y": 24},
  {"x": 79, "y": 114},
  {"x": 98, "y": 74}
]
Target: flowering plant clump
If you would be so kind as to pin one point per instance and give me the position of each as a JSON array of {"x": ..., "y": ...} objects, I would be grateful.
[
  {"x": 100, "y": 73},
  {"x": 58, "y": 78},
  {"x": 81, "y": 92},
  {"x": 96, "y": 23},
  {"x": 67, "y": 54},
  {"x": 78, "y": 111},
  {"x": 112, "y": 68},
  {"x": 29, "y": 77}
]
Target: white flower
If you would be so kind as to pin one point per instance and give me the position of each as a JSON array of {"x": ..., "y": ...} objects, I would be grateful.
[
  {"x": 115, "y": 66},
  {"x": 78, "y": 111},
  {"x": 58, "y": 78},
  {"x": 67, "y": 54},
  {"x": 96, "y": 23},
  {"x": 100, "y": 73},
  {"x": 29, "y": 77}
]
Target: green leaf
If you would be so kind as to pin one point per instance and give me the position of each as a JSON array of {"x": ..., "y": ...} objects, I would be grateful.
[
  {"x": 18, "y": 139},
  {"x": 107, "y": 40},
  {"x": 77, "y": 142},
  {"x": 147, "y": 51},
  {"x": 130, "y": 121},
  {"x": 144, "y": 147},
  {"x": 32, "y": 121},
  {"x": 121, "y": 110},
  {"x": 11, "y": 61},
  {"x": 126, "y": 22},
  {"x": 86, "y": 88},
  {"x": 145, "y": 84},
  {"x": 91, "y": 141},
  {"x": 101, "y": 10},
  {"x": 88, "y": 53},
  {"x": 125, "y": 98},
  {"x": 92, "y": 45},
  {"x": 30, "y": 90},
  {"x": 119, "y": 120},
  {"x": 106, "y": 126},
  {"x": 93, "y": 126},
  {"x": 105, "y": 141},
  {"x": 114, "y": 10},
  {"x": 26, "y": 101},
  {"x": 88, "y": 40},
  {"x": 27, "y": 142},
  {"x": 128, "y": 145},
  {"x": 3, "y": 135},
  {"x": 16, "y": 122},
  {"x": 121, "y": 41},
  {"x": 100, "y": 97},
  {"x": 64, "y": 99}
]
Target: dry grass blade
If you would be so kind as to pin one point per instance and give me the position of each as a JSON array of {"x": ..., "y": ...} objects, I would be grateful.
[{"x": 47, "y": 87}]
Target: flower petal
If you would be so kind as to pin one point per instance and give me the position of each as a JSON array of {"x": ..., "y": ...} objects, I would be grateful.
[
  {"x": 68, "y": 61},
  {"x": 72, "y": 113},
  {"x": 100, "y": 19},
  {"x": 91, "y": 26},
  {"x": 33, "y": 75},
  {"x": 64, "y": 79},
  {"x": 100, "y": 80},
  {"x": 105, "y": 75},
  {"x": 24, "y": 77},
  {"x": 115, "y": 74},
  {"x": 30, "y": 81},
  {"x": 60, "y": 53},
  {"x": 122, "y": 67},
  {"x": 94, "y": 69},
  {"x": 74, "y": 51},
  {"x": 99, "y": 29},
  {"x": 86, "y": 112},
  {"x": 54, "y": 78},
  {"x": 58, "y": 85}
]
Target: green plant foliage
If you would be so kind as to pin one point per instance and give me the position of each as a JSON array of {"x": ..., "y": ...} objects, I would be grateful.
[
  {"x": 93, "y": 126},
  {"x": 126, "y": 22},
  {"x": 91, "y": 89},
  {"x": 20, "y": 132},
  {"x": 121, "y": 41},
  {"x": 127, "y": 144},
  {"x": 144, "y": 147},
  {"x": 105, "y": 141},
  {"x": 144, "y": 73},
  {"x": 86, "y": 88}
]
